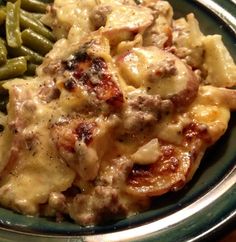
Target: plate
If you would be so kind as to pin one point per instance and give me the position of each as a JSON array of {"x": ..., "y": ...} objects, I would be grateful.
[{"x": 206, "y": 203}]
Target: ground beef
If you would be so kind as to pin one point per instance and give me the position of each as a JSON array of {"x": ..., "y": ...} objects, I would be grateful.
[
  {"x": 103, "y": 205},
  {"x": 49, "y": 92},
  {"x": 99, "y": 14},
  {"x": 144, "y": 111},
  {"x": 164, "y": 69}
]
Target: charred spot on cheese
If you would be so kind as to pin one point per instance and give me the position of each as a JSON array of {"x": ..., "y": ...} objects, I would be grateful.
[
  {"x": 65, "y": 134},
  {"x": 80, "y": 56},
  {"x": 92, "y": 74},
  {"x": 70, "y": 84},
  {"x": 73, "y": 60},
  {"x": 84, "y": 132},
  {"x": 195, "y": 131},
  {"x": 138, "y": 2}
]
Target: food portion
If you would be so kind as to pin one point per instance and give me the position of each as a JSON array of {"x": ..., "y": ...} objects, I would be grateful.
[{"x": 122, "y": 110}]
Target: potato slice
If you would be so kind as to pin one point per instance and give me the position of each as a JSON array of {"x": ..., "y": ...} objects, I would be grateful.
[
  {"x": 159, "y": 72},
  {"x": 125, "y": 22},
  {"x": 147, "y": 154},
  {"x": 175, "y": 166},
  {"x": 218, "y": 63}
]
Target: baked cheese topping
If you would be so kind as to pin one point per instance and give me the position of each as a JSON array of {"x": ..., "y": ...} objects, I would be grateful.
[{"x": 122, "y": 109}]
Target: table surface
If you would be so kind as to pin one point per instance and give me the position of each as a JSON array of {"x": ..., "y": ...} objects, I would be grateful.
[{"x": 231, "y": 237}]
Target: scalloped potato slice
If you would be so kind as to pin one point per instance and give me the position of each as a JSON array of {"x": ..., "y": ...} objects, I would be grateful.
[
  {"x": 160, "y": 32},
  {"x": 160, "y": 72},
  {"x": 175, "y": 166},
  {"x": 124, "y": 22},
  {"x": 65, "y": 14},
  {"x": 187, "y": 39},
  {"x": 218, "y": 63}
]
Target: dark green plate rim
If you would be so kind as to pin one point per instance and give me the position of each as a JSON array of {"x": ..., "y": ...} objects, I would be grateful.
[{"x": 211, "y": 209}]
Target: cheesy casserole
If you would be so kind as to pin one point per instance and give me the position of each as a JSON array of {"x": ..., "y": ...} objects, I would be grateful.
[{"x": 121, "y": 110}]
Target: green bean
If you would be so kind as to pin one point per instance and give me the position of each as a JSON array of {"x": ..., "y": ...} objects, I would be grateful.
[
  {"x": 33, "y": 5},
  {"x": 36, "y": 42},
  {"x": 2, "y": 16},
  {"x": 24, "y": 51},
  {"x": 2, "y": 20},
  {"x": 31, "y": 69},
  {"x": 13, "y": 24},
  {"x": 30, "y": 23},
  {"x": 37, "y": 15},
  {"x": 32, "y": 16},
  {"x": 13, "y": 68},
  {"x": 3, "y": 52},
  {"x": 48, "y": 1}
]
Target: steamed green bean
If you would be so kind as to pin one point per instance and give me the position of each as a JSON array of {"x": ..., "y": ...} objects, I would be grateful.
[
  {"x": 37, "y": 15},
  {"x": 33, "y": 5},
  {"x": 33, "y": 17},
  {"x": 3, "y": 52},
  {"x": 31, "y": 69},
  {"x": 2, "y": 16},
  {"x": 13, "y": 68},
  {"x": 13, "y": 35},
  {"x": 30, "y": 23},
  {"x": 24, "y": 51},
  {"x": 36, "y": 42}
]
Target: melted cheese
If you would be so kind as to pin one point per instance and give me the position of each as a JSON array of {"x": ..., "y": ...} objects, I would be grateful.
[
  {"x": 210, "y": 109},
  {"x": 170, "y": 130}
]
